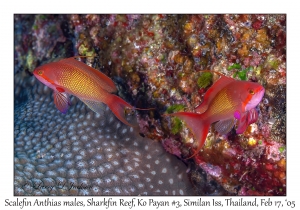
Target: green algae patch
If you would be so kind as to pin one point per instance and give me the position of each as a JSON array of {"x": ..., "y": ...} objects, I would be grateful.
[
  {"x": 272, "y": 62},
  {"x": 176, "y": 125},
  {"x": 241, "y": 73},
  {"x": 204, "y": 80},
  {"x": 281, "y": 149},
  {"x": 30, "y": 60},
  {"x": 175, "y": 108},
  {"x": 175, "y": 121},
  {"x": 234, "y": 66}
]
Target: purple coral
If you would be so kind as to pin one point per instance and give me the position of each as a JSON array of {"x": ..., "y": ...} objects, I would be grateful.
[
  {"x": 46, "y": 34},
  {"x": 172, "y": 146}
]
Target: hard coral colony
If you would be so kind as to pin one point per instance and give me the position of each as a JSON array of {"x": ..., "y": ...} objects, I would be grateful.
[{"x": 155, "y": 61}]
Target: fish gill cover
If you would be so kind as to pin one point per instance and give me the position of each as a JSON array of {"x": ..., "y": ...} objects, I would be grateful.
[{"x": 155, "y": 61}]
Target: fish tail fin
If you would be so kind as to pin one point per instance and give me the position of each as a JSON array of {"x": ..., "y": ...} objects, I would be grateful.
[
  {"x": 198, "y": 127},
  {"x": 119, "y": 107}
]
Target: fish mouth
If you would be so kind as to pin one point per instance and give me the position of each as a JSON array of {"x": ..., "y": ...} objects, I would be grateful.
[
  {"x": 261, "y": 94},
  {"x": 258, "y": 96},
  {"x": 256, "y": 99}
]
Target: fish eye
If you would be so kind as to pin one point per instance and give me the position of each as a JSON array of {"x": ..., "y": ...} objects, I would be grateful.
[
  {"x": 40, "y": 72},
  {"x": 251, "y": 92}
]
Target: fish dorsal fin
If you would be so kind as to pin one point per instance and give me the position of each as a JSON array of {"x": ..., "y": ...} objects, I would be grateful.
[
  {"x": 104, "y": 81},
  {"x": 247, "y": 118},
  {"x": 97, "y": 107},
  {"x": 61, "y": 101},
  {"x": 225, "y": 126},
  {"x": 212, "y": 92}
]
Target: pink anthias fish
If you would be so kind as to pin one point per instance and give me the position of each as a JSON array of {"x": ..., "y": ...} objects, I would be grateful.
[
  {"x": 72, "y": 77},
  {"x": 226, "y": 102}
]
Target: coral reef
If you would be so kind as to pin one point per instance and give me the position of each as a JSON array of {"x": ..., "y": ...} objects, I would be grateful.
[{"x": 156, "y": 61}]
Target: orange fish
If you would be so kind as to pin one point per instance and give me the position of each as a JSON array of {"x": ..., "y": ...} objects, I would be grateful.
[
  {"x": 72, "y": 77},
  {"x": 225, "y": 102}
]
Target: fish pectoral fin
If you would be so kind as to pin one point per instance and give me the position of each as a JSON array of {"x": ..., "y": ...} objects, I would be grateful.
[
  {"x": 61, "y": 101},
  {"x": 225, "y": 126},
  {"x": 252, "y": 116},
  {"x": 242, "y": 123},
  {"x": 247, "y": 118},
  {"x": 97, "y": 107}
]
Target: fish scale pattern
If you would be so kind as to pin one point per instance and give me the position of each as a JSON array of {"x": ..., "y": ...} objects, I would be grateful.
[
  {"x": 73, "y": 78},
  {"x": 221, "y": 103},
  {"x": 84, "y": 153}
]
